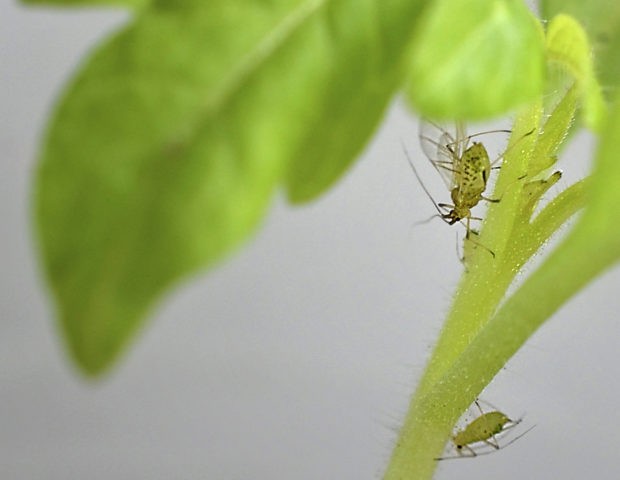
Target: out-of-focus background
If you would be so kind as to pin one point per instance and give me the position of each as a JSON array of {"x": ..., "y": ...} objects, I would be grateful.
[{"x": 296, "y": 357}]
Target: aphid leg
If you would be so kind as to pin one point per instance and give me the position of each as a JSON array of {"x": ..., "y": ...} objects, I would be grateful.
[
  {"x": 469, "y": 238},
  {"x": 447, "y": 166},
  {"x": 493, "y": 443},
  {"x": 472, "y": 452},
  {"x": 447, "y": 206},
  {"x": 464, "y": 141},
  {"x": 512, "y": 423}
]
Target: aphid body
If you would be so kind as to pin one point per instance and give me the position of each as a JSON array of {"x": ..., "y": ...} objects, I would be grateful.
[
  {"x": 482, "y": 429},
  {"x": 471, "y": 174},
  {"x": 464, "y": 167}
]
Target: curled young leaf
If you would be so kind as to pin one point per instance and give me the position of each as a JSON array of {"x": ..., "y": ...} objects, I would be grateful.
[{"x": 568, "y": 46}]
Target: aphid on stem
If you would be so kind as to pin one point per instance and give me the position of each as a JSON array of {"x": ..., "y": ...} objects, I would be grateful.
[
  {"x": 483, "y": 431},
  {"x": 465, "y": 168}
]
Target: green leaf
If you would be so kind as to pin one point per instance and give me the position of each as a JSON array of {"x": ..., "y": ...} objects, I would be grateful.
[
  {"x": 597, "y": 232},
  {"x": 166, "y": 148},
  {"x": 89, "y": 3},
  {"x": 476, "y": 59},
  {"x": 368, "y": 56},
  {"x": 601, "y": 19},
  {"x": 568, "y": 46}
]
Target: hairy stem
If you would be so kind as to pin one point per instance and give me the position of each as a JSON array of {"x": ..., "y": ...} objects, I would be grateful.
[{"x": 477, "y": 339}]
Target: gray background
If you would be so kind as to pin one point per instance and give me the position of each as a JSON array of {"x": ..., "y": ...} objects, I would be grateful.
[{"x": 296, "y": 357}]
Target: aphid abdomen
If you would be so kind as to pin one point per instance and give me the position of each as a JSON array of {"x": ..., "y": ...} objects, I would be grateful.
[
  {"x": 481, "y": 429},
  {"x": 475, "y": 169}
]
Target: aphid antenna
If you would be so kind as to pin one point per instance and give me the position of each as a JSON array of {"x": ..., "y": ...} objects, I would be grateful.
[
  {"x": 502, "y": 130},
  {"x": 423, "y": 222},
  {"x": 465, "y": 141},
  {"x": 503, "y": 154},
  {"x": 428, "y": 194},
  {"x": 439, "y": 127}
]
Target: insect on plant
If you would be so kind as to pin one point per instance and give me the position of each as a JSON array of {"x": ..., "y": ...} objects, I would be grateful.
[
  {"x": 482, "y": 431},
  {"x": 463, "y": 165}
]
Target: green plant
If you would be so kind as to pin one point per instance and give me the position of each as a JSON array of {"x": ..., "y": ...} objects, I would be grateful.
[{"x": 167, "y": 146}]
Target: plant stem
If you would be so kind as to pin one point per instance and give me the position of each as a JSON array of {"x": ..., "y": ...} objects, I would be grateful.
[{"x": 474, "y": 344}]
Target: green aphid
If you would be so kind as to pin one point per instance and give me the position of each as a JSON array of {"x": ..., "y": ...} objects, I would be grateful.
[
  {"x": 465, "y": 168},
  {"x": 483, "y": 430}
]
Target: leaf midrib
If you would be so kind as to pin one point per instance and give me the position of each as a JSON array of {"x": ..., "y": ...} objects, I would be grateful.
[{"x": 252, "y": 61}]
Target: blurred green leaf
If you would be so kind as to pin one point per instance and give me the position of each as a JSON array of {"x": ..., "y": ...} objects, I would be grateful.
[
  {"x": 598, "y": 231},
  {"x": 476, "y": 59},
  {"x": 363, "y": 45},
  {"x": 89, "y": 3},
  {"x": 568, "y": 45},
  {"x": 601, "y": 19},
  {"x": 166, "y": 148}
]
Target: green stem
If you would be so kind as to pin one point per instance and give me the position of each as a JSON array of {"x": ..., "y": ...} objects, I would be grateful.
[
  {"x": 486, "y": 278},
  {"x": 539, "y": 297},
  {"x": 534, "y": 302},
  {"x": 480, "y": 336},
  {"x": 460, "y": 366},
  {"x": 430, "y": 419}
]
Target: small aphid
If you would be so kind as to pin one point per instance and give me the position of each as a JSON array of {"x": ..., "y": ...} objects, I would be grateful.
[{"x": 482, "y": 430}]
